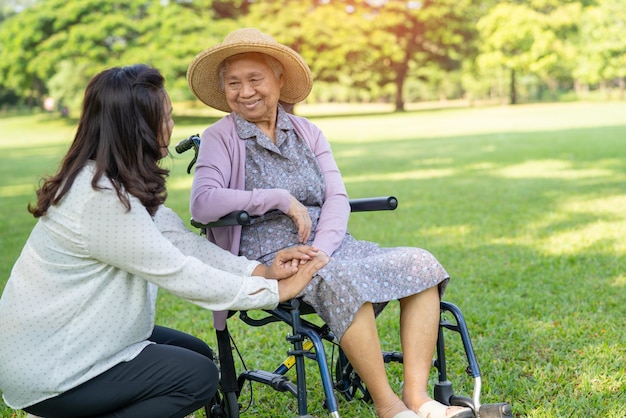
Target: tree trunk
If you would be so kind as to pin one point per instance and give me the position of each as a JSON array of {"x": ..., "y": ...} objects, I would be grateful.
[
  {"x": 401, "y": 69},
  {"x": 513, "y": 93},
  {"x": 399, "y": 105}
]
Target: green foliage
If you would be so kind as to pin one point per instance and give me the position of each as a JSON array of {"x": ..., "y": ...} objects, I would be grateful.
[
  {"x": 359, "y": 50},
  {"x": 44, "y": 42},
  {"x": 522, "y": 44},
  {"x": 603, "y": 47},
  {"x": 562, "y": 43},
  {"x": 367, "y": 45}
]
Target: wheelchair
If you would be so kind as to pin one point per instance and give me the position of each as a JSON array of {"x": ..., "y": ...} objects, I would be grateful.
[{"x": 308, "y": 340}]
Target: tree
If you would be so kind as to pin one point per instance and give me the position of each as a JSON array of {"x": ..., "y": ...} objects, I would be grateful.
[
  {"x": 509, "y": 33},
  {"x": 424, "y": 39},
  {"x": 563, "y": 22},
  {"x": 536, "y": 38},
  {"x": 357, "y": 49},
  {"x": 602, "y": 57},
  {"x": 368, "y": 44},
  {"x": 41, "y": 42}
]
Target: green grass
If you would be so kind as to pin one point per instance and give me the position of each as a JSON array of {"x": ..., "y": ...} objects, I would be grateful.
[{"x": 525, "y": 206}]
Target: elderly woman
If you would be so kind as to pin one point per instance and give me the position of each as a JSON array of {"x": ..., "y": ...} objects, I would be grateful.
[
  {"x": 280, "y": 167},
  {"x": 77, "y": 314}
]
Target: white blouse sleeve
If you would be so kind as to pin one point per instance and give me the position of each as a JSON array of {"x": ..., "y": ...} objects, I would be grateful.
[
  {"x": 131, "y": 241},
  {"x": 190, "y": 243}
]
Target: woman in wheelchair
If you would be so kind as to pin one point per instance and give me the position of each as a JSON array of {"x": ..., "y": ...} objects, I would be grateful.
[
  {"x": 280, "y": 167},
  {"x": 77, "y": 313}
]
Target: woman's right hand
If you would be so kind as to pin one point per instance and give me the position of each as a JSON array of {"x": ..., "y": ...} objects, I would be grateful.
[
  {"x": 300, "y": 216},
  {"x": 288, "y": 260},
  {"x": 290, "y": 287}
]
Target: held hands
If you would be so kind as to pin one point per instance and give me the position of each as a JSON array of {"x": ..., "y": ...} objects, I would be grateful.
[
  {"x": 287, "y": 261},
  {"x": 295, "y": 268},
  {"x": 300, "y": 216}
]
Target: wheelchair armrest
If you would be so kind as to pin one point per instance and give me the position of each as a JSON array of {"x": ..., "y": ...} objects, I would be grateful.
[
  {"x": 242, "y": 217},
  {"x": 373, "y": 203},
  {"x": 238, "y": 217}
]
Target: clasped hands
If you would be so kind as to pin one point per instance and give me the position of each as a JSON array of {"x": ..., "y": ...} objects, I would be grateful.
[{"x": 294, "y": 268}]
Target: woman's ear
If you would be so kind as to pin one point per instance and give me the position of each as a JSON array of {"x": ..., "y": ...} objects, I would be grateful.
[{"x": 281, "y": 80}]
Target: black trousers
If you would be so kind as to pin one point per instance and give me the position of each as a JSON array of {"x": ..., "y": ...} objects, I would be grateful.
[{"x": 169, "y": 379}]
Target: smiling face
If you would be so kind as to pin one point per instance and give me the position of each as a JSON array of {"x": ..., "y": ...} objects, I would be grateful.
[{"x": 252, "y": 88}]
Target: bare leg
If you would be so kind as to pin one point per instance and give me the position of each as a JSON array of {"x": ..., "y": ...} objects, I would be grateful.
[
  {"x": 419, "y": 321},
  {"x": 362, "y": 347},
  {"x": 419, "y": 324}
]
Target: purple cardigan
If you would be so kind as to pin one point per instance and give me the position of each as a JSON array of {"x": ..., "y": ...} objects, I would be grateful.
[{"x": 218, "y": 186}]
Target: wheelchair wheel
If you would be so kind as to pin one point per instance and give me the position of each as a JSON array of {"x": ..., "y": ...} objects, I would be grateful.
[
  {"x": 223, "y": 406},
  {"x": 348, "y": 382}
]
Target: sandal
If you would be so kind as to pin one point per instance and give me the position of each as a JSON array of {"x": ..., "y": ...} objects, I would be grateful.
[
  {"x": 406, "y": 414},
  {"x": 434, "y": 409}
]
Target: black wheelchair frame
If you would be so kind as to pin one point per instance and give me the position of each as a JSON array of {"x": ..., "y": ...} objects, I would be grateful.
[{"x": 308, "y": 340}]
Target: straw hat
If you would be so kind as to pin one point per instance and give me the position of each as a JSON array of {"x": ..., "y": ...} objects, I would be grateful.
[{"x": 203, "y": 77}]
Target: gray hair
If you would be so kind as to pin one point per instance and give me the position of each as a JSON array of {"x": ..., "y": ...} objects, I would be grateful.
[{"x": 273, "y": 64}]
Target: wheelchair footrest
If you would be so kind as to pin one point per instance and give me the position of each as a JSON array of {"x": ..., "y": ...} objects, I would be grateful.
[
  {"x": 277, "y": 382},
  {"x": 392, "y": 356}
]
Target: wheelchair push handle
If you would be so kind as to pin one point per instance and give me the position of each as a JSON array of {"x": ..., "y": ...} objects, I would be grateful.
[
  {"x": 192, "y": 141},
  {"x": 187, "y": 143}
]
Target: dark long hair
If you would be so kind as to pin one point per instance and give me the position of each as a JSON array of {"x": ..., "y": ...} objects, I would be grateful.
[{"x": 121, "y": 129}]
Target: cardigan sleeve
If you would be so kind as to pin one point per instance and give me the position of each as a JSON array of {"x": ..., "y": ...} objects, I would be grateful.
[{"x": 218, "y": 182}]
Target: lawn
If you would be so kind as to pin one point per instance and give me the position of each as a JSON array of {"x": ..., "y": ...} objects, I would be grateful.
[{"x": 525, "y": 206}]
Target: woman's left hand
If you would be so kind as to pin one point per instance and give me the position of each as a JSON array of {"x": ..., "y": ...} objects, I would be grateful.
[
  {"x": 287, "y": 261},
  {"x": 290, "y": 287}
]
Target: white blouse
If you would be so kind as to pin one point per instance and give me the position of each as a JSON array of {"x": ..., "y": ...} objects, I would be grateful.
[{"x": 81, "y": 296}]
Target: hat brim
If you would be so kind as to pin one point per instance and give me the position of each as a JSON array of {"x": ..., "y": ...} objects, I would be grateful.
[{"x": 203, "y": 77}]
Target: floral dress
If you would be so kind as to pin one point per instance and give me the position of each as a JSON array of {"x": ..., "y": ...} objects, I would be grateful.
[{"x": 359, "y": 271}]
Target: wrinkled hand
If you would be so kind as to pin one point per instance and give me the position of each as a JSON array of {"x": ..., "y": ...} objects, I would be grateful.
[
  {"x": 286, "y": 262},
  {"x": 300, "y": 216},
  {"x": 289, "y": 288}
]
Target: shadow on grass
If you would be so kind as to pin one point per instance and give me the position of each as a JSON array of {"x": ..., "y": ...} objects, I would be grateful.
[
  {"x": 532, "y": 235},
  {"x": 529, "y": 225}
]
